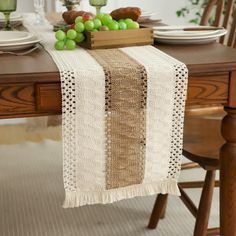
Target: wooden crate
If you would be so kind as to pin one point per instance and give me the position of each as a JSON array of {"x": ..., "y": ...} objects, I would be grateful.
[{"x": 118, "y": 38}]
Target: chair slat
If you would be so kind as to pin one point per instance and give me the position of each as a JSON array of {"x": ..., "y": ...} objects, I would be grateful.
[
  {"x": 222, "y": 9},
  {"x": 232, "y": 35},
  {"x": 207, "y": 12},
  {"x": 228, "y": 14},
  {"x": 219, "y": 12}
]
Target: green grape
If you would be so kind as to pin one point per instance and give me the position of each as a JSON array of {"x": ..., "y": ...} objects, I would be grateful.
[
  {"x": 78, "y": 19},
  {"x": 95, "y": 30},
  {"x": 89, "y": 25},
  {"x": 80, "y": 38},
  {"x": 133, "y": 25},
  {"x": 59, "y": 45},
  {"x": 106, "y": 19},
  {"x": 99, "y": 16},
  {"x": 97, "y": 23},
  {"x": 104, "y": 28},
  {"x": 70, "y": 44},
  {"x": 79, "y": 27},
  {"x": 122, "y": 25},
  {"x": 60, "y": 35},
  {"x": 113, "y": 25},
  {"x": 121, "y": 20},
  {"x": 128, "y": 21},
  {"x": 136, "y": 25},
  {"x": 71, "y": 34}
]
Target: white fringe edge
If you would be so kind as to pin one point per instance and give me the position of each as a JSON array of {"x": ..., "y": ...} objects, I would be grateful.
[{"x": 80, "y": 198}]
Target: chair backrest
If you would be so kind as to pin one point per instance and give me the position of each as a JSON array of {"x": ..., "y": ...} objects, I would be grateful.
[
  {"x": 232, "y": 34},
  {"x": 222, "y": 10}
]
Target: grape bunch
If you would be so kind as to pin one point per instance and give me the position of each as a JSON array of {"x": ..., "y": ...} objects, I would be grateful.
[{"x": 101, "y": 22}]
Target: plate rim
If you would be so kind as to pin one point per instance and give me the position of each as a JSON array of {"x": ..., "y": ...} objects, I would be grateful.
[
  {"x": 197, "y": 33},
  {"x": 35, "y": 40},
  {"x": 221, "y": 33},
  {"x": 203, "y": 41},
  {"x": 30, "y": 35}
]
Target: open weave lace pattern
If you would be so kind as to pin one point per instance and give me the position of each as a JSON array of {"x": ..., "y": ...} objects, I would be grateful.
[{"x": 84, "y": 138}]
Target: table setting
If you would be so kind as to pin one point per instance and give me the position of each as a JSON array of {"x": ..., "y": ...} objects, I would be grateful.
[
  {"x": 107, "y": 113},
  {"x": 14, "y": 38},
  {"x": 113, "y": 145}
]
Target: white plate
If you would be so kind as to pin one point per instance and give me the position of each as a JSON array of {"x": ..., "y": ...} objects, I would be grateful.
[
  {"x": 147, "y": 13},
  {"x": 181, "y": 33},
  {"x": 14, "y": 36},
  {"x": 217, "y": 34},
  {"x": 14, "y": 46},
  {"x": 144, "y": 19},
  {"x": 185, "y": 37},
  {"x": 186, "y": 41}
]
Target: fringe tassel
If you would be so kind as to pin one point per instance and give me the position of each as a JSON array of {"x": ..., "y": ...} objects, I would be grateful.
[{"x": 77, "y": 199}]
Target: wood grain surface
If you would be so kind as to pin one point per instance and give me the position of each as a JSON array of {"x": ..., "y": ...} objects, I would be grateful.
[
  {"x": 208, "y": 89},
  {"x": 17, "y": 99},
  {"x": 228, "y": 175},
  {"x": 232, "y": 90}
]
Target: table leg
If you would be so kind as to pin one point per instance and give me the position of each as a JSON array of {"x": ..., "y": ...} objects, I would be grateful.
[{"x": 228, "y": 175}]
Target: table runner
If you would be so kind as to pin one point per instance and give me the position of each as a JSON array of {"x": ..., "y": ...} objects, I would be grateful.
[{"x": 123, "y": 114}]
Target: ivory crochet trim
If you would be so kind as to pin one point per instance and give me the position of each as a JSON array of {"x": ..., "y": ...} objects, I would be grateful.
[{"x": 73, "y": 199}]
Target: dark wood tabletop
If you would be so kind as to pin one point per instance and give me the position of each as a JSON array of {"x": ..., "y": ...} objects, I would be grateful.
[
  {"x": 30, "y": 86},
  {"x": 209, "y": 56}
]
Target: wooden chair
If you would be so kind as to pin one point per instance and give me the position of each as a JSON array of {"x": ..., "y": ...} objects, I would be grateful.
[
  {"x": 222, "y": 18},
  {"x": 203, "y": 150},
  {"x": 222, "y": 14}
]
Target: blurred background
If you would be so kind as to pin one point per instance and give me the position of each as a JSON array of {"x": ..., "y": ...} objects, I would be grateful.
[{"x": 161, "y": 7}]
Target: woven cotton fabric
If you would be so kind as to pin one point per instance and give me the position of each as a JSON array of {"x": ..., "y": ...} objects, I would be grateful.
[{"x": 123, "y": 114}]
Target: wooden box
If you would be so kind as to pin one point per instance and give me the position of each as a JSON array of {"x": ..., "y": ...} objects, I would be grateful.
[{"x": 118, "y": 38}]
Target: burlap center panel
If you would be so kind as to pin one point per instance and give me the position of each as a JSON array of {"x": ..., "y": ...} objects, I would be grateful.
[{"x": 126, "y": 95}]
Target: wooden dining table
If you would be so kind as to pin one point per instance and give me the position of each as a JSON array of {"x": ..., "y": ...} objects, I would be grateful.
[{"x": 30, "y": 86}]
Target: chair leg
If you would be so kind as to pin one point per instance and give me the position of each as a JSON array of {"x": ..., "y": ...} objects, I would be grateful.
[
  {"x": 163, "y": 213},
  {"x": 204, "y": 208},
  {"x": 158, "y": 210}
]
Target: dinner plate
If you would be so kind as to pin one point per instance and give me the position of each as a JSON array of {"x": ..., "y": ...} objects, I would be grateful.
[
  {"x": 187, "y": 37},
  {"x": 181, "y": 33},
  {"x": 14, "y": 36},
  {"x": 147, "y": 13},
  {"x": 145, "y": 16},
  {"x": 19, "y": 45}
]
